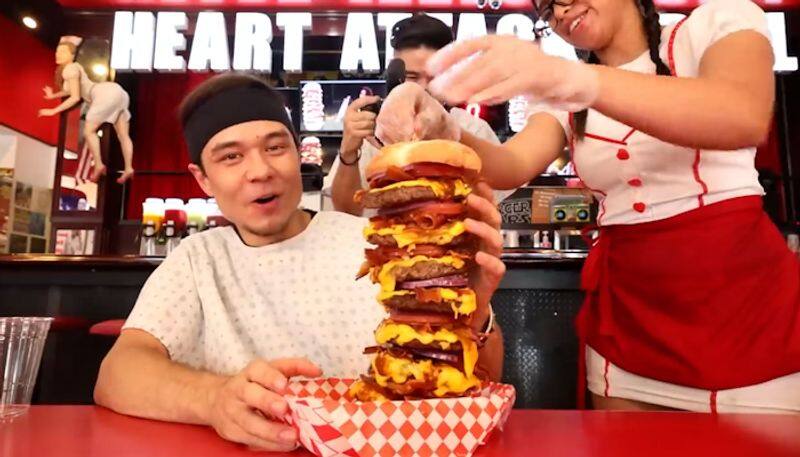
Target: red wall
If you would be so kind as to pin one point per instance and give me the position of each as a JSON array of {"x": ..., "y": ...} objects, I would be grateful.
[
  {"x": 158, "y": 141},
  {"x": 26, "y": 65}
]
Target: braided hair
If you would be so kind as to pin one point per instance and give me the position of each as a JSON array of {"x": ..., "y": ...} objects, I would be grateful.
[{"x": 653, "y": 30}]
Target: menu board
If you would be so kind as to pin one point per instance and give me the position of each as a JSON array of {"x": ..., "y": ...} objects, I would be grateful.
[
  {"x": 291, "y": 98},
  {"x": 324, "y": 103}
]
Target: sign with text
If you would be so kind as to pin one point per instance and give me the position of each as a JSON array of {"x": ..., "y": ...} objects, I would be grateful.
[
  {"x": 376, "y": 5},
  {"x": 146, "y": 41}
]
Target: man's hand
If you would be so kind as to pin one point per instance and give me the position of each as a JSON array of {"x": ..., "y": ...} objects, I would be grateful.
[
  {"x": 248, "y": 408},
  {"x": 47, "y": 112},
  {"x": 358, "y": 126},
  {"x": 48, "y": 93},
  {"x": 484, "y": 222}
]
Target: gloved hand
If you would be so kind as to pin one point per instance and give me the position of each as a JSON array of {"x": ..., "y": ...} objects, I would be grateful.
[
  {"x": 359, "y": 125},
  {"x": 409, "y": 113},
  {"x": 495, "y": 68}
]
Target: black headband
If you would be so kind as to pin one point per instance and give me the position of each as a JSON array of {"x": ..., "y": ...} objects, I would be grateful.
[{"x": 231, "y": 107}]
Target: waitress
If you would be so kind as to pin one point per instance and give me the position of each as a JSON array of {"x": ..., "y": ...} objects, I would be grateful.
[{"x": 693, "y": 298}]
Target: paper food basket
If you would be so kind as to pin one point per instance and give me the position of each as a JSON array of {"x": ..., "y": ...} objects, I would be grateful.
[{"x": 330, "y": 425}]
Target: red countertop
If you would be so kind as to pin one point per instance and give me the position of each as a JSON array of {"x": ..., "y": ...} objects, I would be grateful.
[{"x": 90, "y": 431}]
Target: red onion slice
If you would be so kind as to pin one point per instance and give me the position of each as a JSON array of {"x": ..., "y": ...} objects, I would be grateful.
[
  {"x": 390, "y": 211},
  {"x": 449, "y": 357},
  {"x": 444, "y": 281},
  {"x": 442, "y": 356}
]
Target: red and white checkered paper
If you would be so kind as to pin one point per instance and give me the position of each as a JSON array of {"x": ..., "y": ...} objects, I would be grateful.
[{"x": 330, "y": 425}]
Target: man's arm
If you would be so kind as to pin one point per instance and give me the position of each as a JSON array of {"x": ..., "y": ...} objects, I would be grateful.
[
  {"x": 359, "y": 124},
  {"x": 346, "y": 182},
  {"x": 138, "y": 378},
  {"x": 484, "y": 223},
  {"x": 143, "y": 375}
]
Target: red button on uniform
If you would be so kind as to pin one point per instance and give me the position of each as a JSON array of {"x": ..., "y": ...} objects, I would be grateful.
[
  {"x": 635, "y": 182},
  {"x": 639, "y": 207},
  {"x": 622, "y": 154}
]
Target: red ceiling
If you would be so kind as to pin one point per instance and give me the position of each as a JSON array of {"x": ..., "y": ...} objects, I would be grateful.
[{"x": 372, "y": 5}]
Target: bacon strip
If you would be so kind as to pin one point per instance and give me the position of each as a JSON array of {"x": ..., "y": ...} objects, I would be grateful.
[
  {"x": 420, "y": 170},
  {"x": 432, "y": 215},
  {"x": 428, "y": 295}
]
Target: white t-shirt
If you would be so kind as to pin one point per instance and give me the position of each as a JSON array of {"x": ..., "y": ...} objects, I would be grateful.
[
  {"x": 638, "y": 178},
  {"x": 469, "y": 123},
  {"x": 216, "y": 303}
]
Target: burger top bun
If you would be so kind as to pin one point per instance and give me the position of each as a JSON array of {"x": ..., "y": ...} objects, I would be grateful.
[{"x": 445, "y": 152}]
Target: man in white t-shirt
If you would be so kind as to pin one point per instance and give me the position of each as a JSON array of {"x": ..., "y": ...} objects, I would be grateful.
[
  {"x": 414, "y": 40},
  {"x": 234, "y": 312}
]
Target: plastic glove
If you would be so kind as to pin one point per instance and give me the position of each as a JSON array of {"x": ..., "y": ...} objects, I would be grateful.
[
  {"x": 409, "y": 113},
  {"x": 496, "y": 68},
  {"x": 359, "y": 125}
]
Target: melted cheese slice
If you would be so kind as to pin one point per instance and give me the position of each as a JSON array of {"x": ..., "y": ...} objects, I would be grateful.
[
  {"x": 439, "y": 188},
  {"x": 462, "y": 302},
  {"x": 399, "y": 370},
  {"x": 387, "y": 279},
  {"x": 407, "y": 237},
  {"x": 449, "y": 380},
  {"x": 400, "y": 334}
]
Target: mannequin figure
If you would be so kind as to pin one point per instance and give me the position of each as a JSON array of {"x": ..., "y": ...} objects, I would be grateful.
[{"x": 106, "y": 102}]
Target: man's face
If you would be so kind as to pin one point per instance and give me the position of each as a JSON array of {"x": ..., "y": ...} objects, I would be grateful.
[
  {"x": 415, "y": 60},
  {"x": 253, "y": 171}
]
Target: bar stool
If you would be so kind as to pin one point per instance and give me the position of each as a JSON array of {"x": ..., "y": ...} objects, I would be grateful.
[
  {"x": 67, "y": 323},
  {"x": 112, "y": 327}
]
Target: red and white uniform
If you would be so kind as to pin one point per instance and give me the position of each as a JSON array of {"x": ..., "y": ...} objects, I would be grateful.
[{"x": 693, "y": 298}]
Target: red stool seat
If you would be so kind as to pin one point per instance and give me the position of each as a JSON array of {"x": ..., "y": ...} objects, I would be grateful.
[
  {"x": 111, "y": 327},
  {"x": 66, "y": 323}
]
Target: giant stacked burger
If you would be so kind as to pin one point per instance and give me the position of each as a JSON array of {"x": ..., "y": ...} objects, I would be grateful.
[{"x": 426, "y": 347}]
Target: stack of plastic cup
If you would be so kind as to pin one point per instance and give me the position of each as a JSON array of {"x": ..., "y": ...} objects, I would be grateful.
[{"x": 21, "y": 344}]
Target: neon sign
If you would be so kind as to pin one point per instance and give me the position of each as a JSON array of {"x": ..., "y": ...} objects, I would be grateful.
[
  {"x": 146, "y": 41},
  {"x": 373, "y": 5}
]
